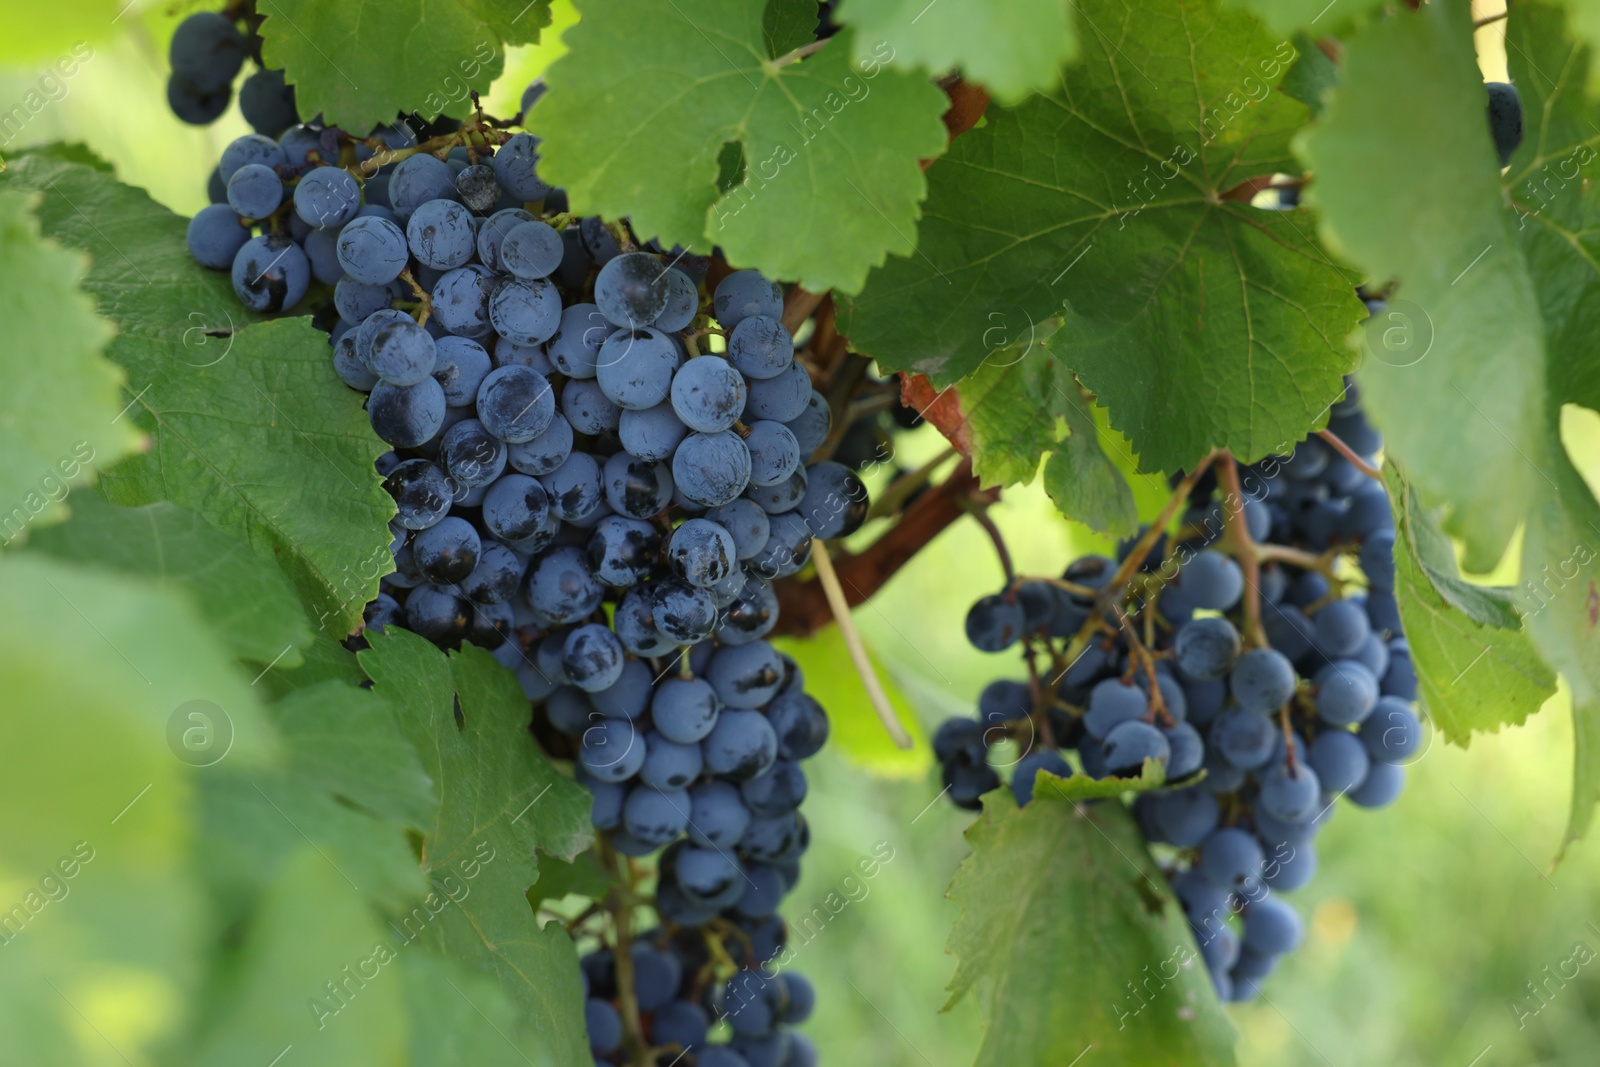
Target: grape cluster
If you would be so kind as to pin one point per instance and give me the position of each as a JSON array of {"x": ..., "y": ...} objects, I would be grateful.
[
  {"x": 1258, "y": 738},
  {"x": 207, "y": 53},
  {"x": 583, "y": 490}
]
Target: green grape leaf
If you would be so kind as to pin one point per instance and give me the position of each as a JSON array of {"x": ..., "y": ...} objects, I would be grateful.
[
  {"x": 1198, "y": 322},
  {"x": 1558, "y": 230},
  {"x": 1029, "y": 867},
  {"x": 854, "y": 729},
  {"x": 246, "y": 599},
  {"x": 831, "y": 182},
  {"x": 58, "y": 413},
  {"x": 347, "y": 742},
  {"x": 104, "y": 908},
  {"x": 1152, "y": 775},
  {"x": 787, "y": 25},
  {"x": 1452, "y": 370},
  {"x": 1476, "y": 668},
  {"x": 361, "y": 62},
  {"x": 460, "y": 1017},
  {"x": 583, "y": 876},
  {"x": 501, "y": 801},
  {"x": 350, "y": 783},
  {"x": 1311, "y": 77},
  {"x": 315, "y": 976},
  {"x": 1013, "y": 47},
  {"x": 1318, "y": 17},
  {"x": 1021, "y": 405},
  {"x": 250, "y": 426}
]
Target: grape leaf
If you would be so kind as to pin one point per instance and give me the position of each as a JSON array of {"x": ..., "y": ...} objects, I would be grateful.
[
  {"x": 246, "y": 599},
  {"x": 1476, "y": 668},
  {"x": 360, "y": 62},
  {"x": 1152, "y": 775},
  {"x": 584, "y": 876},
  {"x": 1056, "y": 857},
  {"x": 1458, "y": 397},
  {"x": 105, "y": 918},
  {"x": 1014, "y": 47},
  {"x": 853, "y": 727},
  {"x": 448, "y": 1006},
  {"x": 501, "y": 800},
  {"x": 1558, "y": 229},
  {"x": 1320, "y": 17},
  {"x": 1311, "y": 77},
  {"x": 787, "y": 25},
  {"x": 1197, "y": 321},
  {"x": 312, "y": 978},
  {"x": 350, "y": 783},
  {"x": 251, "y": 427},
  {"x": 58, "y": 413},
  {"x": 832, "y": 179}
]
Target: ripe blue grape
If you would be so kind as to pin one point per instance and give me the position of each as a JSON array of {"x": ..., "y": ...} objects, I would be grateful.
[
  {"x": 1127, "y": 745},
  {"x": 1340, "y": 760},
  {"x": 460, "y": 367},
  {"x": 372, "y": 250},
  {"x": 1111, "y": 703},
  {"x": 327, "y": 197},
  {"x": 448, "y": 551},
  {"x": 760, "y": 347},
  {"x": 743, "y": 294},
  {"x": 711, "y": 468},
  {"x": 1346, "y": 692},
  {"x": 835, "y": 502},
  {"x": 515, "y": 403},
  {"x": 531, "y": 250},
  {"x": 592, "y": 657},
  {"x": 401, "y": 353},
  {"x": 783, "y": 397},
  {"x": 460, "y": 296},
  {"x": 1026, "y": 771},
  {"x": 575, "y": 488},
  {"x": 516, "y": 168},
  {"x": 682, "y": 612},
  {"x": 994, "y": 623},
  {"x": 1392, "y": 733},
  {"x": 215, "y": 236},
  {"x": 1262, "y": 680},
  {"x": 623, "y": 551},
  {"x": 527, "y": 312},
  {"x": 701, "y": 552},
  {"x": 421, "y": 493},
  {"x": 1206, "y": 647},
  {"x": 1292, "y": 794},
  {"x": 440, "y": 235},
  {"x": 418, "y": 179},
  {"x": 653, "y": 433},
  {"x": 588, "y": 409},
  {"x": 270, "y": 273},
  {"x": 708, "y": 394},
  {"x": 562, "y": 588},
  {"x": 683, "y": 303},
  {"x": 635, "y": 368},
  {"x": 207, "y": 50},
  {"x": 631, "y": 290},
  {"x": 406, "y": 415},
  {"x": 515, "y": 507}
]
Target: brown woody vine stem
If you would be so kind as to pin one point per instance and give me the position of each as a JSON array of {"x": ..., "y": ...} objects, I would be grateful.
[{"x": 1244, "y": 549}]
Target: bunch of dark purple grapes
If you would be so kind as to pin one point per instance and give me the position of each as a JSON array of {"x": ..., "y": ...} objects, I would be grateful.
[{"x": 1258, "y": 729}]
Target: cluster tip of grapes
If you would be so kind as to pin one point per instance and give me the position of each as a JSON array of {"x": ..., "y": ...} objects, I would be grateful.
[{"x": 1260, "y": 722}]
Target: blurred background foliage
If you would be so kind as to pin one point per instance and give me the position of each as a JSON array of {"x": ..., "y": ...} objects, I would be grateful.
[{"x": 1439, "y": 930}]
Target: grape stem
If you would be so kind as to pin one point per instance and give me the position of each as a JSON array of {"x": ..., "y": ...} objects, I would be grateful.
[
  {"x": 980, "y": 515},
  {"x": 1349, "y": 453},
  {"x": 424, "y": 301},
  {"x": 1245, "y": 550},
  {"x": 620, "y": 903},
  {"x": 1143, "y": 657},
  {"x": 1039, "y": 708},
  {"x": 892, "y": 498},
  {"x": 853, "y": 643},
  {"x": 800, "y": 53},
  {"x": 798, "y": 306}
]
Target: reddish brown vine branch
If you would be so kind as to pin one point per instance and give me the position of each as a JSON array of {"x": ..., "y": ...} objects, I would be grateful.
[{"x": 1244, "y": 548}]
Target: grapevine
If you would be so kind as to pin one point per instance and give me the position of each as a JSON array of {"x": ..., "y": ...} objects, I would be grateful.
[{"x": 489, "y": 485}]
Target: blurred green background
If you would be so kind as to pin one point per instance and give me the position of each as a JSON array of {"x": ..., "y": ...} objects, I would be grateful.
[{"x": 1429, "y": 926}]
